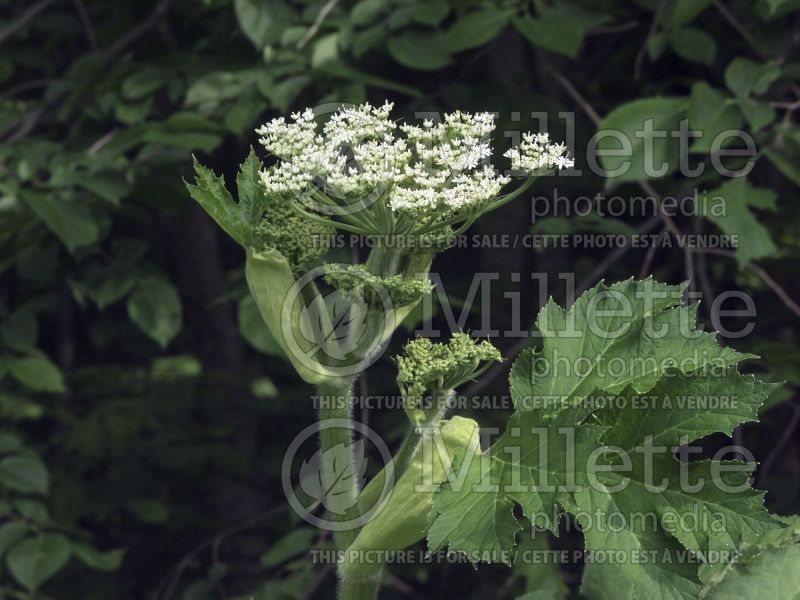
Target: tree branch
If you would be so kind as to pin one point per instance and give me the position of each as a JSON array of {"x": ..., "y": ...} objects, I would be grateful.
[
  {"x": 87, "y": 24},
  {"x": 637, "y": 63},
  {"x": 23, "y": 19},
  {"x": 761, "y": 273},
  {"x": 312, "y": 31}
]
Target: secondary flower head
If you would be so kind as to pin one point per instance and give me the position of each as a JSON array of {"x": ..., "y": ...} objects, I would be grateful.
[
  {"x": 378, "y": 178},
  {"x": 302, "y": 242},
  {"x": 357, "y": 280},
  {"x": 536, "y": 153},
  {"x": 425, "y": 365}
]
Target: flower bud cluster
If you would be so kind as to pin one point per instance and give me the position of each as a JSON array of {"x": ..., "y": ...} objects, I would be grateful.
[
  {"x": 425, "y": 365},
  {"x": 299, "y": 240},
  {"x": 396, "y": 289}
]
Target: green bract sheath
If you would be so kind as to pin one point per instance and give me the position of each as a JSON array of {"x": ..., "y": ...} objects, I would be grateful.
[
  {"x": 321, "y": 343},
  {"x": 403, "y": 520},
  {"x": 270, "y": 279}
]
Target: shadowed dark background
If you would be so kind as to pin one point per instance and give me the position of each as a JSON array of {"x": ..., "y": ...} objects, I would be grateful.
[{"x": 145, "y": 412}]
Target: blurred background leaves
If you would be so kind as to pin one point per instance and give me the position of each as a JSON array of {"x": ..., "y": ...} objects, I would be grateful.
[{"x": 145, "y": 408}]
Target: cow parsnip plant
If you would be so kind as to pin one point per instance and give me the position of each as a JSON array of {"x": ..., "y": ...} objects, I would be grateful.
[{"x": 631, "y": 353}]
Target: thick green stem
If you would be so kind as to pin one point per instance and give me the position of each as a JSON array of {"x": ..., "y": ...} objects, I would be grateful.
[
  {"x": 358, "y": 578},
  {"x": 359, "y": 575},
  {"x": 361, "y": 586},
  {"x": 335, "y": 423},
  {"x": 429, "y": 418},
  {"x": 383, "y": 261},
  {"x": 335, "y": 430}
]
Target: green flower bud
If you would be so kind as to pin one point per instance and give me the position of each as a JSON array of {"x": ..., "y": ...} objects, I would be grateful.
[
  {"x": 425, "y": 365},
  {"x": 357, "y": 280},
  {"x": 301, "y": 241}
]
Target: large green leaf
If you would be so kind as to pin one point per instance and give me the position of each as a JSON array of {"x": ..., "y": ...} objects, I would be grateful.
[
  {"x": 580, "y": 438},
  {"x": 154, "y": 305},
  {"x": 481, "y": 524},
  {"x": 262, "y": 21},
  {"x": 712, "y": 112},
  {"x": 208, "y": 91},
  {"x": 744, "y": 76},
  {"x": 634, "y": 141},
  {"x": 476, "y": 29},
  {"x": 236, "y": 219},
  {"x": 326, "y": 51},
  {"x": 366, "y": 11},
  {"x": 730, "y": 208},
  {"x": 694, "y": 44},
  {"x": 70, "y": 221},
  {"x": 420, "y": 49},
  {"x": 605, "y": 582},
  {"x": 100, "y": 561},
  {"x": 684, "y": 11},
  {"x": 768, "y": 567},
  {"x": 431, "y": 12},
  {"x": 638, "y": 327},
  {"x": 666, "y": 418},
  {"x": 186, "y": 131},
  {"x": 38, "y": 373},
  {"x": 105, "y": 285},
  {"x": 35, "y": 560},
  {"x": 10, "y": 533},
  {"x": 24, "y": 473},
  {"x": 210, "y": 192},
  {"x": 560, "y": 27}
]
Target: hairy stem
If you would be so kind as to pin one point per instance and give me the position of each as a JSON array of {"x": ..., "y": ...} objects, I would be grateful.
[
  {"x": 360, "y": 579},
  {"x": 361, "y": 586},
  {"x": 335, "y": 425},
  {"x": 432, "y": 418}
]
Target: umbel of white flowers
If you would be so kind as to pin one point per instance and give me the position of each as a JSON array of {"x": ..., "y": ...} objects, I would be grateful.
[{"x": 377, "y": 178}]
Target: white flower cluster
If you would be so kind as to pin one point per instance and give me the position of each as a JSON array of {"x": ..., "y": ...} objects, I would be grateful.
[
  {"x": 355, "y": 153},
  {"x": 536, "y": 153},
  {"x": 444, "y": 173},
  {"x": 302, "y": 157},
  {"x": 432, "y": 168}
]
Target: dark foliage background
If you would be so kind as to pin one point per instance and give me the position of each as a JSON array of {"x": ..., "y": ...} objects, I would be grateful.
[{"x": 144, "y": 413}]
